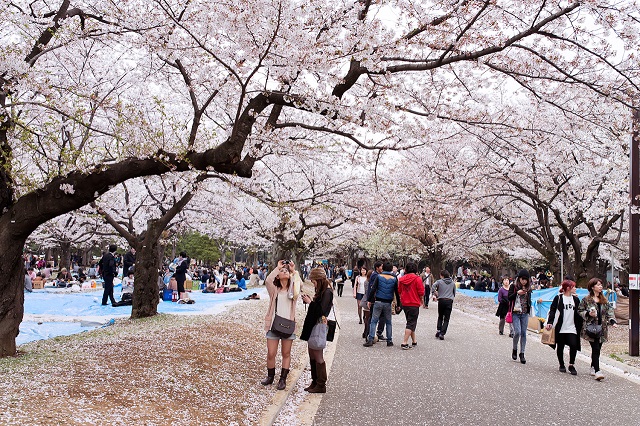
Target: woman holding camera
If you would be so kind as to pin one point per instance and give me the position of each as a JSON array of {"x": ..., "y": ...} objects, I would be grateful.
[
  {"x": 283, "y": 286},
  {"x": 598, "y": 315},
  {"x": 319, "y": 309}
]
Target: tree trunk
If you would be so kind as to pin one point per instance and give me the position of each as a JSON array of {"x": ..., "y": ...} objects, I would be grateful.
[
  {"x": 65, "y": 255},
  {"x": 11, "y": 290},
  {"x": 148, "y": 259}
]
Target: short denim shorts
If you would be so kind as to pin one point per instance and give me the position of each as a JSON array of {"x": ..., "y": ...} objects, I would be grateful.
[{"x": 272, "y": 336}]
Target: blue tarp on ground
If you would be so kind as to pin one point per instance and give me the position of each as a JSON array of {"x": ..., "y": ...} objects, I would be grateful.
[
  {"x": 475, "y": 294},
  {"x": 62, "y": 313}
]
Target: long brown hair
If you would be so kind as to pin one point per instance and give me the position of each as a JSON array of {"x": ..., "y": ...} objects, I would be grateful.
[
  {"x": 319, "y": 277},
  {"x": 592, "y": 282}
]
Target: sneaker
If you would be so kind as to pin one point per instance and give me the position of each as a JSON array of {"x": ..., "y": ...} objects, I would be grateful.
[
  {"x": 414, "y": 344},
  {"x": 368, "y": 344},
  {"x": 389, "y": 343},
  {"x": 599, "y": 376},
  {"x": 441, "y": 337},
  {"x": 501, "y": 333},
  {"x": 572, "y": 370},
  {"x": 592, "y": 372},
  {"x": 514, "y": 354},
  {"x": 437, "y": 334},
  {"x": 405, "y": 346},
  {"x": 562, "y": 369}
]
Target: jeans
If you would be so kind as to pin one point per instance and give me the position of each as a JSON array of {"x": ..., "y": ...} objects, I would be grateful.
[
  {"x": 381, "y": 309},
  {"x": 445, "y": 306},
  {"x": 108, "y": 290},
  {"x": 595, "y": 354},
  {"x": 520, "y": 323}
]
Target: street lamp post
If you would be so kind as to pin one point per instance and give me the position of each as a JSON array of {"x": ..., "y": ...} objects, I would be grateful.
[{"x": 634, "y": 236}]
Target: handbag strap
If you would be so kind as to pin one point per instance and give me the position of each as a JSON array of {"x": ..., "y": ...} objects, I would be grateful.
[{"x": 333, "y": 308}]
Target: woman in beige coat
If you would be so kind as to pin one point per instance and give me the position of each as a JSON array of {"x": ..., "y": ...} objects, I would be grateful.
[{"x": 283, "y": 286}]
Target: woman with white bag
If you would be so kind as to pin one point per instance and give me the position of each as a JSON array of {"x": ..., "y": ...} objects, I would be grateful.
[{"x": 314, "y": 330}]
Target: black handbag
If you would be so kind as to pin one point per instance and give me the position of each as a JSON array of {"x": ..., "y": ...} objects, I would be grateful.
[
  {"x": 593, "y": 330},
  {"x": 331, "y": 327},
  {"x": 282, "y": 327}
]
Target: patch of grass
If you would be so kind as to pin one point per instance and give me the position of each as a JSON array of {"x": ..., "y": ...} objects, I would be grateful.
[{"x": 616, "y": 357}]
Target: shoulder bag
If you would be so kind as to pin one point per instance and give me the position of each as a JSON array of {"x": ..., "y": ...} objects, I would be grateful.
[
  {"x": 593, "y": 330},
  {"x": 331, "y": 326},
  {"x": 282, "y": 327},
  {"x": 318, "y": 338}
]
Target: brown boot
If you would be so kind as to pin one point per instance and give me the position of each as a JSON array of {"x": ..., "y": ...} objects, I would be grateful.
[
  {"x": 321, "y": 371},
  {"x": 282, "y": 383},
  {"x": 314, "y": 376},
  {"x": 271, "y": 373}
]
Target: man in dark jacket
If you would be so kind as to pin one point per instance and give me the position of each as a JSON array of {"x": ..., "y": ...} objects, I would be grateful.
[
  {"x": 108, "y": 270},
  {"x": 381, "y": 296},
  {"x": 128, "y": 261},
  {"x": 181, "y": 272}
]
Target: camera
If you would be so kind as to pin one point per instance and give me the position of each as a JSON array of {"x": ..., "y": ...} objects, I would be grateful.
[{"x": 286, "y": 262}]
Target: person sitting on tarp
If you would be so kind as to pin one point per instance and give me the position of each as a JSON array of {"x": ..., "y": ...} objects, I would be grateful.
[
  {"x": 127, "y": 290},
  {"x": 252, "y": 296}
]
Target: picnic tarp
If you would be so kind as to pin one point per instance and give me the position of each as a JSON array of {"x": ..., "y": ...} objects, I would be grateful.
[{"x": 59, "y": 312}]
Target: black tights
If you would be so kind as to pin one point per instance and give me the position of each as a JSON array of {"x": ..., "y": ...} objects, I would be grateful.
[
  {"x": 568, "y": 339},
  {"x": 595, "y": 354},
  {"x": 316, "y": 355}
]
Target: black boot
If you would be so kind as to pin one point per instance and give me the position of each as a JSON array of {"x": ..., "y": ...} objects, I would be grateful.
[
  {"x": 282, "y": 383},
  {"x": 514, "y": 354},
  {"x": 321, "y": 386},
  {"x": 271, "y": 373},
  {"x": 314, "y": 376}
]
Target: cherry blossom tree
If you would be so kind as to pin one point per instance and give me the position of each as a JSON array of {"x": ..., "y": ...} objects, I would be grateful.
[{"x": 97, "y": 93}]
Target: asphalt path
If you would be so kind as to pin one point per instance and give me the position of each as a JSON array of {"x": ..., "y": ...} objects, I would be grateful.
[{"x": 467, "y": 379}]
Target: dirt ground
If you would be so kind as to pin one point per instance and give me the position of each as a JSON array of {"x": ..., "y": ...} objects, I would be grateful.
[{"x": 165, "y": 370}]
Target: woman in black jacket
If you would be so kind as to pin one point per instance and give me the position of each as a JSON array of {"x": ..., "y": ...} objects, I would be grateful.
[
  {"x": 520, "y": 299},
  {"x": 319, "y": 309},
  {"x": 563, "y": 315}
]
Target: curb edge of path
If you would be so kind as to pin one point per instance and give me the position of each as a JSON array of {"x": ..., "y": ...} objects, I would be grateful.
[
  {"x": 618, "y": 368},
  {"x": 309, "y": 406}
]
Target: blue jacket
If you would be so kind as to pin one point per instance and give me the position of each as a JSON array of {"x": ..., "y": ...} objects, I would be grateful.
[{"x": 384, "y": 287}]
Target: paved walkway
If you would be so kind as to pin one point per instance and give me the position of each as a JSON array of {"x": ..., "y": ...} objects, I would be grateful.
[{"x": 469, "y": 378}]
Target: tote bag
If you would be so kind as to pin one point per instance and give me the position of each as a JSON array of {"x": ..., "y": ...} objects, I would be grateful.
[{"x": 318, "y": 338}]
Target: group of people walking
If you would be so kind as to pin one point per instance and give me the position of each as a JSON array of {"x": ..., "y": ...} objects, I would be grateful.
[
  {"x": 382, "y": 291},
  {"x": 570, "y": 317}
]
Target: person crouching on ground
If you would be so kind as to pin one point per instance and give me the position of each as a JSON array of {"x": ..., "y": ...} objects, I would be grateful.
[
  {"x": 319, "y": 309},
  {"x": 444, "y": 291},
  {"x": 411, "y": 290},
  {"x": 283, "y": 286},
  {"x": 596, "y": 310},
  {"x": 520, "y": 298},
  {"x": 563, "y": 315}
]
